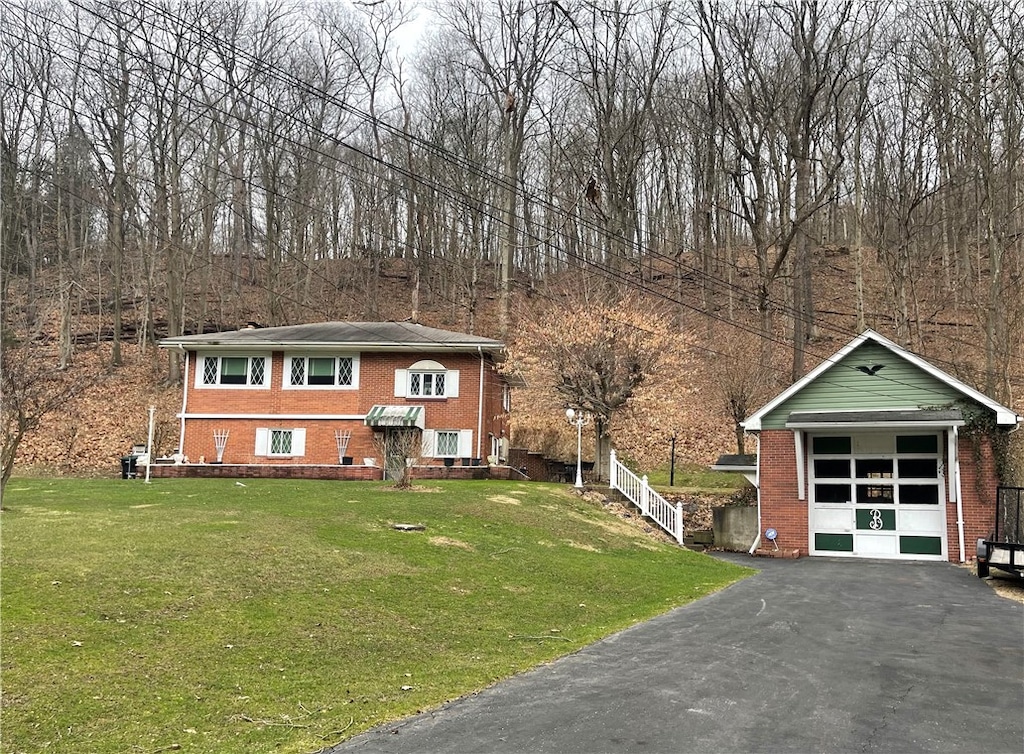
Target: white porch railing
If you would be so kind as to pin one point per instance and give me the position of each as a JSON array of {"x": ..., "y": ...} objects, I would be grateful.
[{"x": 636, "y": 489}]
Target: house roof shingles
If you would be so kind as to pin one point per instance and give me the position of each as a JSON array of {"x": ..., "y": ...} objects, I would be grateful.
[{"x": 405, "y": 336}]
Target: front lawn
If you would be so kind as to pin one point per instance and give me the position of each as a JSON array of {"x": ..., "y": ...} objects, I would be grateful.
[{"x": 208, "y": 616}]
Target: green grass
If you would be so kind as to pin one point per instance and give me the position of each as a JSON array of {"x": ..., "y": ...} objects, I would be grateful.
[
  {"x": 695, "y": 478},
  {"x": 287, "y": 615}
]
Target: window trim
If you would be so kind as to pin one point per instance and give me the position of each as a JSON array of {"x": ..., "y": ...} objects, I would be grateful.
[
  {"x": 404, "y": 378},
  {"x": 451, "y": 434},
  {"x": 421, "y": 373},
  {"x": 200, "y": 371},
  {"x": 286, "y": 377},
  {"x": 264, "y": 440},
  {"x": 463, "y": 443}
]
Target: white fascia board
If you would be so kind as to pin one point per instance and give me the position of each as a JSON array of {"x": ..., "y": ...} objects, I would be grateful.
[
  {"x": 266, "y": 345},
  {"x": 1007, "y": 418},
  {"x": 279, "y": 417}
]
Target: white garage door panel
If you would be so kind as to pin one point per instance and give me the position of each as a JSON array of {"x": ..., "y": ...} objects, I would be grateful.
[
  {"x": 880, "y": 545},
  {"x": 833, "y": 519},
  {"x": 911, "y": 520}
]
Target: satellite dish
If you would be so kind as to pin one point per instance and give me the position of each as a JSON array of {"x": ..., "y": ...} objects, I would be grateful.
[{"x": 772, "y": 534}]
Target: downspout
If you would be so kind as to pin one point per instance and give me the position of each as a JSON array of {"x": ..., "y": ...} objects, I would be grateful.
[
  {"x": 184, "y": 402},
  {"x": 480, "y": 406},
  {"x": 757, "y": 539},
  {"x": 959, "y": 492}
]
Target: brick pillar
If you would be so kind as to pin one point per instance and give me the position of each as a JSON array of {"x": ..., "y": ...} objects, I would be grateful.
[{"x": 781, "y": 508}]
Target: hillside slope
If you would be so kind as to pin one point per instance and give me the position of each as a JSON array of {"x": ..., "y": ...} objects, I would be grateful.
[{"x": 684, "y": 399}]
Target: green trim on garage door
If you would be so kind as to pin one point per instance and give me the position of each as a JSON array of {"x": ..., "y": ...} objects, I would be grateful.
[
  {"x": 833, "y": 542},
  {"x": 876, "y": 519},
  {"x": 920, "y": 545}
]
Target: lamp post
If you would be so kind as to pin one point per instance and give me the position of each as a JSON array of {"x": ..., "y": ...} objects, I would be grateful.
[
  {"x": 149, "y": 443},
  {"x": 579, "y": 419}
]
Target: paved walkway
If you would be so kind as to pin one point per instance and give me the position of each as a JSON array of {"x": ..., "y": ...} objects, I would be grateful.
[{"x": 813, "y": 655}]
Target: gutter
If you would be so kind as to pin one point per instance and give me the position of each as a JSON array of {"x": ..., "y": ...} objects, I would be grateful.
[
  {"x": 757, "y": 484},
  {"x": 959, "y": 494},
  {"x": 480, "y": 406},
  {"x": 184, "y": 401}
]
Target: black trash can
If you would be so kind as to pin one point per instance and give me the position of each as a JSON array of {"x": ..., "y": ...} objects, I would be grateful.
[{"x": 129, "y": 467}]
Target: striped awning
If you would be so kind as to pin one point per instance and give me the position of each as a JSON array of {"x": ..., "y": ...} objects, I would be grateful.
[{"x": 395, "y": 416}]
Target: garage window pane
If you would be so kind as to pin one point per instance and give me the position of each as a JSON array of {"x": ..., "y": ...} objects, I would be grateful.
[
  {"x": 832, "y": 493},
  {"x": 874, "y": 468},
  {"x": 919, "y": 468},
  {"x": 831, "y": 445},
  {"x": 917, "y": 444},
  {"x": 919, "y": 494},
  {"x": 832, "y": 468},
  {"x": 875, "y": 494}
]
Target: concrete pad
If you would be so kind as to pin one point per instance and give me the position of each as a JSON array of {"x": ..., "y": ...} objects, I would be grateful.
[{"x": 811, "y": 655}]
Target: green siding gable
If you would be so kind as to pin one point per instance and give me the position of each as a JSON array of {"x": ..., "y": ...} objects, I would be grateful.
[{"x": 899, "y": 384}]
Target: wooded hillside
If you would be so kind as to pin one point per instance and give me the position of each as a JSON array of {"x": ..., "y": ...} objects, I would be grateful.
[{"x": 746, "y": 186}]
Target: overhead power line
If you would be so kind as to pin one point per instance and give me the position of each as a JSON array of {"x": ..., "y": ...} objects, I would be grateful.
[{"x": 457, "y": 196}]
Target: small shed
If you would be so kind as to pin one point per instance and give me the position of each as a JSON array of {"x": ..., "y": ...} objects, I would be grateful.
[{"x": 876, "y": 453}]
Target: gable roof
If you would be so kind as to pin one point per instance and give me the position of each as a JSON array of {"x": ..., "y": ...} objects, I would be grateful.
[
  {"x": 364, "y": 336},
  {"x": 1004, "y": 416}
]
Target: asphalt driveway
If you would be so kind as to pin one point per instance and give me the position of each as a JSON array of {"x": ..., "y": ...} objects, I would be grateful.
[{"x": 813, "y": 655}]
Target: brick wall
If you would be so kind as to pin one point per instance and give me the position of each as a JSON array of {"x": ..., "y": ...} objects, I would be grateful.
[
  {"x": 978, "y": 484},
  {"x": 781, "y": 509},
  {"x": 376, "y": 386},
  {"x": 295, "y": 471}
]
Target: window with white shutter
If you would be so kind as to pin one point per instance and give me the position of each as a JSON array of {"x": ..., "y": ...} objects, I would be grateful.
[{"x": 280, "y": 442}]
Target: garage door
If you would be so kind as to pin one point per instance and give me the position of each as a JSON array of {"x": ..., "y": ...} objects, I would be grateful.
[{"x": 877, "y": 495}]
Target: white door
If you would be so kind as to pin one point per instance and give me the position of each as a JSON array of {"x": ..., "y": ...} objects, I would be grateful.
[{"x": 877, "y": 495}]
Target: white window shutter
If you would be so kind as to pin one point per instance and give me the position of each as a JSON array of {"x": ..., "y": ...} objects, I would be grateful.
[
  {"x": 298, "y": 442},
  {"x": 262, "y": 441},
  {"x": 429, "y": 443},
  {"x": 451, "y": 384},
  {"x": 401, "y": 382},
  {"x": 466, "y": 443}
]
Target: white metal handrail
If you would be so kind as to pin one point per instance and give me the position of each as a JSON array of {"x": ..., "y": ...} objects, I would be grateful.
[{"x": 636, "y": 489}]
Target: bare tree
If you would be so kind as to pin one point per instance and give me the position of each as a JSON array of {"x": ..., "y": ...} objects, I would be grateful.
[
  {"x": 400, "y": 448},
  {"x": 511, "y": 44},
  {"x": 780, "y": 74},
  {"x": 617, "y": 58},
  {"x": 30, "y": 390},
  {"x": 593, "y": 350}
]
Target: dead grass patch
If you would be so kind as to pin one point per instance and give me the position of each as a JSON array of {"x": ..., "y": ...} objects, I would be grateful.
[
  {"x": 1003, "y": 584},
  {"x": 580, "y": 545},
  {"x": 449, "y": 542}
]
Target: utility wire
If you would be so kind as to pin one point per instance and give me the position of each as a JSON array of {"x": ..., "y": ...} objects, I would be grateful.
[{"x": 606, "y": 270}]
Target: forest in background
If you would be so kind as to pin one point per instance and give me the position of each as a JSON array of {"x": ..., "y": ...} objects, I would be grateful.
[{"x": 712, "y": 196}]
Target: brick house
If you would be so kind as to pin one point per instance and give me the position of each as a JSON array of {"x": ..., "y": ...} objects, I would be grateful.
[
  {"x": 353, "y": 394},
  {"x": 877, "y": 453}
]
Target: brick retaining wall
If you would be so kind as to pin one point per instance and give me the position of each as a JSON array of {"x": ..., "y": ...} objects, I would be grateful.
[{"x": 341, "y": 473}]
